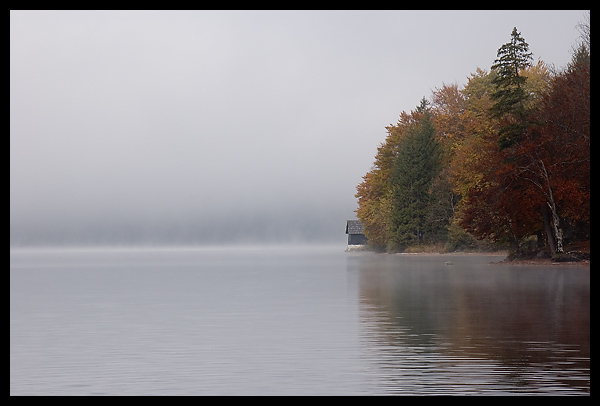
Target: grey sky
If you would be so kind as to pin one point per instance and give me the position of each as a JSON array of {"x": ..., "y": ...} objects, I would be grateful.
[{"x": 176, "y": 125}]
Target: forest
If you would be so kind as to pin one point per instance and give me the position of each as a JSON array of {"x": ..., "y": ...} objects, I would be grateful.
[{"x": 500, "y": 163}]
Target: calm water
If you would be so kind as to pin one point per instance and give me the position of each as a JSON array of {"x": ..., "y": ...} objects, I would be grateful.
[{"x": 293, "y": 321}]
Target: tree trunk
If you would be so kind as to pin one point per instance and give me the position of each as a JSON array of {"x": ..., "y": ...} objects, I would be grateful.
[
  {"x": 557, "y": 229},
  {"x": 558, "y": 234},
  {"x": 548, "y": 229}
]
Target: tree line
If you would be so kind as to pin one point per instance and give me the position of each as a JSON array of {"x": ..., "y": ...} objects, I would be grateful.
[{"x": 502, "y": 161}]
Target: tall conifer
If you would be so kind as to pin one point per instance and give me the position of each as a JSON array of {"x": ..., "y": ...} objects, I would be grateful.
[
  {"x": 509, "y": 94},
  {"x": 417, "y": 164}
]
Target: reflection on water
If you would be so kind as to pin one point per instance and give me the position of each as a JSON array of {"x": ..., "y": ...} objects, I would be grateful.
[
  {"x": 314, "y": 321},
  {"x": 471, "y": 327}
]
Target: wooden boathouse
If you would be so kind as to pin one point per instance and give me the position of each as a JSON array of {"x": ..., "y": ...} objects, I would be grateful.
[{"x": 356, "y": 238}]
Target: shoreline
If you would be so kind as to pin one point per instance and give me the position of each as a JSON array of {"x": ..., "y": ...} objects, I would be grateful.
[
  {"x": 535, "y": 261},
  {"x": 458, "y": 253},
  {"x": 544, "y": 262}
]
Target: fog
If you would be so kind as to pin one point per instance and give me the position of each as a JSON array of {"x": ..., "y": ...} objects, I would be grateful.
[{"x": 225, "y": 126}]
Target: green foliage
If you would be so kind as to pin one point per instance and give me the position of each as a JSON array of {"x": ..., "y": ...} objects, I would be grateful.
[
  {"x": 459, "y": 240},
  {"x": 503, "y": 159},
  {"x": 512, "y": 57},
  {"x": 509, "y": 92},
  {"x": 417, "y": 165},
  {"x": 441, "y": 209}
]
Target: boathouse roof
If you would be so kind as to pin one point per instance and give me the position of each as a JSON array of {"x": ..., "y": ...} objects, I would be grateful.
[{"x": 354, "y": 227}]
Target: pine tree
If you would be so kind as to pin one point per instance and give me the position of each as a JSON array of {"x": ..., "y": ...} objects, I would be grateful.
[
  {"x": 417, "y": 164},
  {"x": 509, "y": 94}
]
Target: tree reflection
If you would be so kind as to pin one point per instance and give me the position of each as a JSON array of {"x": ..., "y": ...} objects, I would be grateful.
[{"x": 530, "y": 322}]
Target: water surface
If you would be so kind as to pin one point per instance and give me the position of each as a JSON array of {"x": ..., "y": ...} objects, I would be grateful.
[
  {"x": 292, "y": 321},
  {"x": 475, "y": 328}
]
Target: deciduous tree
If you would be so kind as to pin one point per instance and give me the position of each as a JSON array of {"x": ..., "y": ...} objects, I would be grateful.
[{"x": 505, "y": 157}]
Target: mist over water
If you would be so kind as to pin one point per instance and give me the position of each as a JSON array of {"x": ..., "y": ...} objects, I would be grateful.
[
  {"x": 292, "y": 320},
  {"x": 290, "y": 227},
  {"x": 180, "y": 183},
  {"x": 195, "y": 127}
]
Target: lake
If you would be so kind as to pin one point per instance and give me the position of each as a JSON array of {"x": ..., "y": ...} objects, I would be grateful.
[{"x": 293, "y": 321}]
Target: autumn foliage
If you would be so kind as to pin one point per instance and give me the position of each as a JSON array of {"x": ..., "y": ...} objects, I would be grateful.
[{"x": 504, "y": 159}]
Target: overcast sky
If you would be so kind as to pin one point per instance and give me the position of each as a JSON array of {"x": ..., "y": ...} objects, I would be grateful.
[{"x": 196, "y": 126}]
